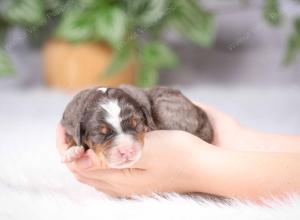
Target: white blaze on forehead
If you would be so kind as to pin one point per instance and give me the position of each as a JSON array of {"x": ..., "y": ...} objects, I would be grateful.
[
  {"x": 103, "y": 89},
  {"x": 113, "y": 114},
  {"x": 124, "y": 139}
]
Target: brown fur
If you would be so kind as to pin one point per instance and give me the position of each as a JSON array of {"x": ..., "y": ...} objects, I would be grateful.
[{"x": 154, "y": 109}]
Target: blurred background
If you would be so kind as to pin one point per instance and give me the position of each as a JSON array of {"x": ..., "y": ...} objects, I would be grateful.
[{"x": 240, "y": 56}]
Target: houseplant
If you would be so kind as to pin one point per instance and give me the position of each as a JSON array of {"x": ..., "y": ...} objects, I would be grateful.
[
  {"x": 129, "y": 32},
  {"x": 125, "y": 33}
]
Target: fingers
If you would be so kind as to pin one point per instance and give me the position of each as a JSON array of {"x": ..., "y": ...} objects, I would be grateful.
[
  {"x": 116, "y": 176},
  {"x": 99, "y": 179},
  {"x": 98, "y": 161},
  {"x": 114, "y": 182},
  {"x": 213, "y": 113},
  {"x": 84, "y": 163},
  {"x": 97, "y": 184},
  {"x": 60, "y": 132},
  {"x": 67, "y": 154},
  {"x": 202, "y": 105},
  {"x": 61, "y": 143},
  {"x": 91, "y": 161},
  {"x": 207, "y": 108},
  {"x": 72, "y": 154},
  {"x": 91, "y": 169},
  {"x": 102, "y": 186}
]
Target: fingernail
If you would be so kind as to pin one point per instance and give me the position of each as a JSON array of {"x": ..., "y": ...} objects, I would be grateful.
[{"x": 85, "y": 162}]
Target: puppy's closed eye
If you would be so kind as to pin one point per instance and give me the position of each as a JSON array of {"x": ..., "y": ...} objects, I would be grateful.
[
  {"x": 104, "y": 130},
  {"x": 133, "y": 122},
  {"x": 106, "y": 133},
  {"x": 136, "y": 124}
]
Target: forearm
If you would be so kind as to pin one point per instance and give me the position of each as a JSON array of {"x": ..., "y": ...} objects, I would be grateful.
[
  {"x": 259, "y": 141},
  {"x": 247, "y": 175}
]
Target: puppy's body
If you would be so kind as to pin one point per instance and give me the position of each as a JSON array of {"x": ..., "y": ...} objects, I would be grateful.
[
  {"x": 171, "y": 110},
  {"x": 116, "y": 119}
]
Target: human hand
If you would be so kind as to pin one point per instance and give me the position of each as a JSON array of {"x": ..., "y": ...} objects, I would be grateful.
[
  {"x": 167, "y": 165},
  {"x": 166, "y": 162},
  {"x": 228, "y": 132},
  {"x": 176, "y": 161}
]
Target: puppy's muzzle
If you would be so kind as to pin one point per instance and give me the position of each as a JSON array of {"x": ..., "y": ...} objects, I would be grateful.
[{"x": 124, "y": 151}]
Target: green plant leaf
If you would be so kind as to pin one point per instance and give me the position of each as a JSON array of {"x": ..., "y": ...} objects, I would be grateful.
[
  {"x": 147, "y": 13},
  {"x": 293, "y": 45},
  {"x": 158, "y": 55},
  {"x": 111, "y": 23},
  {"x": 89, "y": 3},
  {"x": 3, "y": 28},
  {"x": 121, "y": 59},
  {"x": 194, "y": 23},
  {"x": 24, "y": 12},
  {"x": 53, "y": 4},
  {"x": 154, "y": 56},
  {"x": 297, "y": 25},
  {"x": 147, "y": 76},
  {"x": 76, "y": 25},
  {"x": 272, "y": 12},
  {"x": 5, "y": 65}
]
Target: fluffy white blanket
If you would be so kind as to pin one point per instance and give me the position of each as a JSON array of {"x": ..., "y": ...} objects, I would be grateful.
[{"x": 35, "y": 185}]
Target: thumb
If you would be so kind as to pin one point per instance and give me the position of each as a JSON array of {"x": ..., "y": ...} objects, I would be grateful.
[{"x": 91, "y": 161}]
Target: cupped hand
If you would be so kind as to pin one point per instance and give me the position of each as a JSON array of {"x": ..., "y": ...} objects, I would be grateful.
[
  {"x": 166, "y": 166},
  {"x": 167, "y": 163},
  {"x": 228, "y": 132},
  {"x": 176, "y": 161}
]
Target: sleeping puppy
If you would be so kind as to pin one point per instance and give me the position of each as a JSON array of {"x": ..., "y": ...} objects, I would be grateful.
[{"x": 112, "y": 121}]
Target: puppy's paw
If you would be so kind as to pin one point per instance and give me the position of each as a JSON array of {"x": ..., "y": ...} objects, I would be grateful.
[{"x": 73, "y": 153}]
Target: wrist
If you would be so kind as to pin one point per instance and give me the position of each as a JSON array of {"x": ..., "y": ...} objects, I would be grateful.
[
  {"x": 248, "y": 139},
  {"x": 204, "y": 170},
  {"x": 243, "y": 139},
  {"x": 259, "y": 141},
  {"x": 203, "y": 165}
]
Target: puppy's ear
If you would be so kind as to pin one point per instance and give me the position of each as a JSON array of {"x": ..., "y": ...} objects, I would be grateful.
[
  {"x": 80, "y": 136},
  {"x": 70, "y": 140},
  {"x": 149, "y": 121},
  {"x": 79, "y": 133}
]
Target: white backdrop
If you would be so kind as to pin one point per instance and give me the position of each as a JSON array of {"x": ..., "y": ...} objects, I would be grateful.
[{"x": 35, "y": 185}]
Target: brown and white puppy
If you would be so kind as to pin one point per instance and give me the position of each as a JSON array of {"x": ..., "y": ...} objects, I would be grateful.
[{"x": 112, "y": 121}]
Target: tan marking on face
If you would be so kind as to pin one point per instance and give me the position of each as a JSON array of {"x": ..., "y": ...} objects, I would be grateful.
[
  {"x": 133, "y": 121},
  {"x": 140, "y": 138},
  {"x": 99, "y": 148},
  {"x": 70, "y": 141},
  {"x": 104, "y": 130}
]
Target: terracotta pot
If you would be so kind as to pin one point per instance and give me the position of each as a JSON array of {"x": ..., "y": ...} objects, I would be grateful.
[{"x": 77, "y": 66}]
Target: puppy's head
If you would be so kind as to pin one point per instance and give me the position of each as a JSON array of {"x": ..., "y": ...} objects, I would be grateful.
[{"x": 114, "y": 125}]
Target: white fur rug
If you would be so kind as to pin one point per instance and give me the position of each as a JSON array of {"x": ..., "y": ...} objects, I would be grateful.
[{"x": 35, "y": 185}]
